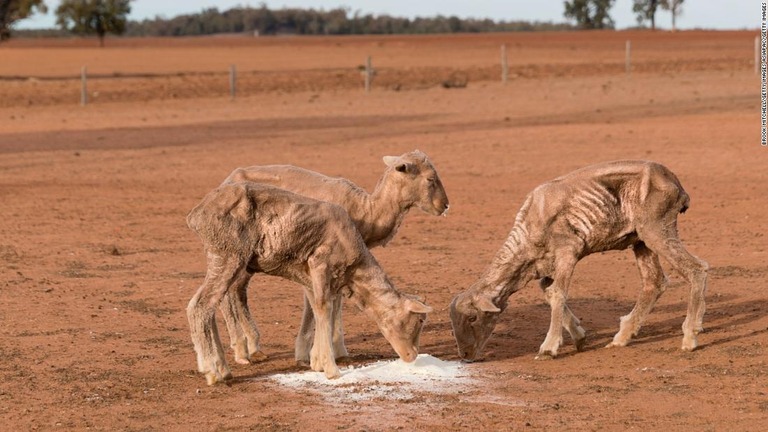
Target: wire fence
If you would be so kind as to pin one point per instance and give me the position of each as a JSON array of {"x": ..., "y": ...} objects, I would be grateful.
[{"x": 116, "y": 86}]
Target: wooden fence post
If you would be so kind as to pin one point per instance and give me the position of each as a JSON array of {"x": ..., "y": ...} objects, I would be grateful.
[
  {"x": 504, "y": 64},
  {"x": 232, "y": 81},
  {"x": 83, "y": 86},
  {"x": 628, "y": 59},
  {"x": 368, "y": 74}
]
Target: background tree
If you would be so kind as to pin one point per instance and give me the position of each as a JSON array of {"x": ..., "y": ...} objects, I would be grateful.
[
  {"x": 97, "y": 17},
  {"x": 673, "y": 6},
  {"x": 590, "y": 14},
  {"x": 646, "y": 11},
  {"x": 14, "y": 10}
]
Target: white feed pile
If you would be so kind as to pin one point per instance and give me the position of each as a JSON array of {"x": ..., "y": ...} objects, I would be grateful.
[{"x": 393, "y": 379}]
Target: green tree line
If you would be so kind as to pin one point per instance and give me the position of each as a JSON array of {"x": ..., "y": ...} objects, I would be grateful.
[{"x": 338, "y": 21}]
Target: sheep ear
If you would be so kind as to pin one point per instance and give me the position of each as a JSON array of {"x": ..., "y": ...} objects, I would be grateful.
[
  {"x": 396, "y": 163},
  {"x": 417, "y": 306},
  {"x": 390, "y": 160},
  {"x": 403, "y": 167},
  {"x": 486, "y": 305}
]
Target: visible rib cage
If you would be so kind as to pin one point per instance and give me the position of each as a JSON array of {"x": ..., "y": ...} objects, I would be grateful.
[
  {"x": 590, "y": 208},
  {"x": 516, "y": 238},
  {"x": 519, "y": 233}
]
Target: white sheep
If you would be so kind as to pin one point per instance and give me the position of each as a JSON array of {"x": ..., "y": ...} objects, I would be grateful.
[
  {"x": 603, "y": 207},
  {"x": 249, "y": 228},
  {"x": 409, "y": 180}
]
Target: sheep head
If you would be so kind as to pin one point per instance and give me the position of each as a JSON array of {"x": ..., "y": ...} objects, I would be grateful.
[
  {"x": 473, "y": 318},
  {"x": 402, "y": 325},
  {"x": 418, "y": 182}
]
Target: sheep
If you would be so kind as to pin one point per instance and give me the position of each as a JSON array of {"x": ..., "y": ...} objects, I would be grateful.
[
  {"x": 609, "y": 206},
  {"x": 249, "y": 228},
  {"x": 409, "y": 180}
]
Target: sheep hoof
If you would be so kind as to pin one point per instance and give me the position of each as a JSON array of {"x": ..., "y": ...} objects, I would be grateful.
[
  {"x": 302, "y": 359},
  {"x": 690, "y": 346},
  {"x": 257, "y": 356},
  {"x": 547, "y": 355},
  {"x": 621, "y": 339},
  {"x": 689, "y": 342},
  {"x": 333, "y": 373},
  {"x": 580, "y": 344},
  {"x": 211, "y": 378},
  {"x": 302, "y": 363}
]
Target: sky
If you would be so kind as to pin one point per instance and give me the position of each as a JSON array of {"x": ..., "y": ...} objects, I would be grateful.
[{"x": 710, "y": 14}]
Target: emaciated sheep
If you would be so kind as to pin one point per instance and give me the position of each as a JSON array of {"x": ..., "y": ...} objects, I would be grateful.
[
  {"x": 409, "y": 180},
  {"x": 603, "y": 207},
  {"x": 249, "y": 228}
]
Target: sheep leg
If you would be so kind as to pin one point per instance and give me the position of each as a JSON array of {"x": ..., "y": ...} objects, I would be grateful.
[
  {"x": 339, "y": 348},
  {"x": 243, "y": 332},
  {"x": 222, "y": 272},
  {"x": 306, "y": 331},
  {"x": 668, "y": 246},
  {"x": 556, "y": 294},
  {"x": 237, "y": 339},
  {"x": 321, "y": 356},
  {"x": 570, "y": 322},
  {"x": 654, "y": 285}
]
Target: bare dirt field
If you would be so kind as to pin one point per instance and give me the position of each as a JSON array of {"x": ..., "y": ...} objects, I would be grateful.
[{"x": 97, "y": 264}]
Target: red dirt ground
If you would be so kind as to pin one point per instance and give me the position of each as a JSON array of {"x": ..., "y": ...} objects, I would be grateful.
[{"x": 97, "y": 264}]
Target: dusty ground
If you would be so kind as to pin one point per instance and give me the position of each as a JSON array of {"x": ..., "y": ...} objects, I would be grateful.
[{"x": 97, "y": 265}]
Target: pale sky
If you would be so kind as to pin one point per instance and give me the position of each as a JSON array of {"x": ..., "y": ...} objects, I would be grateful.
[{"x": 711, "y": 14}]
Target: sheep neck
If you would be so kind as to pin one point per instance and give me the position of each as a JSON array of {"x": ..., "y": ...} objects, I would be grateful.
[
  {"x": 372, "y": 291},
  {"x": 511, "y": 269},
  {"x": 386, "y": 208}
]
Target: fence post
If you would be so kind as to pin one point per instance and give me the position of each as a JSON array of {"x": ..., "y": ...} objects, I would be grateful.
[
  {"x": 504, "y": 64},
  {"x": 232, "y": 82},
  {"x": 83, "y": 86},
  {"x": 628, "y": 59},
  {"x": 368, "y": 74}
]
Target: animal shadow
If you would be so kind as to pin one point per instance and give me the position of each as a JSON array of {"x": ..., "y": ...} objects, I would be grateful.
[{"x": 521, "y": 329}]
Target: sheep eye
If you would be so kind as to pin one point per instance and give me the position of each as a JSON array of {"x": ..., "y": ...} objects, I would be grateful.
[{"x": 472, "y": 319}]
